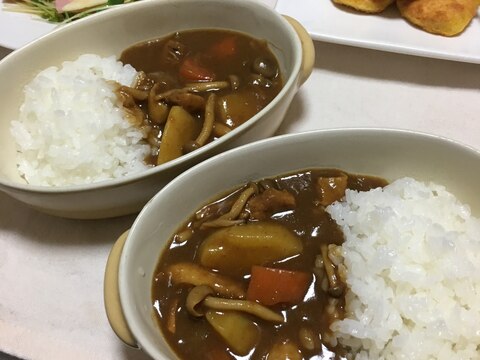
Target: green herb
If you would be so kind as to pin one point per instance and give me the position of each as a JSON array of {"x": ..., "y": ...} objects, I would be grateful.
[{"x": 46, "y": 9}]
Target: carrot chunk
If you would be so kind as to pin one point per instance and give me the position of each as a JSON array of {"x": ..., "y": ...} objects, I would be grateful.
[
  {"x": 225, "y": 48},
  {"x": 192, "y": 70},
  {"x": 271, "y": 286}
]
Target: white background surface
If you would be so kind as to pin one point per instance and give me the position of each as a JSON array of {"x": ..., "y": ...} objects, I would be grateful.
[{"x": 51, "y": 269}]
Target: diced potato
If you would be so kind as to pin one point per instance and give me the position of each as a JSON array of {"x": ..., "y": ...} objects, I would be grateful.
[
  {"x": 234, "y": 250},
  {"x": 236, "y": 108},
  {"x": 180, "y": 128},
  {"x": 239, "y": 332}
]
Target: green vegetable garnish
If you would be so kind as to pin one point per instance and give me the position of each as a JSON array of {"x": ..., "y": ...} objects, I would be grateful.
[{"x": 45, "y": 9}]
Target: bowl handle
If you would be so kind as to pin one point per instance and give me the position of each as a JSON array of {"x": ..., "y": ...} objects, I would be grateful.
[
  {"x": 308, "y": 49},
  {"x": 111, "y": 294}
]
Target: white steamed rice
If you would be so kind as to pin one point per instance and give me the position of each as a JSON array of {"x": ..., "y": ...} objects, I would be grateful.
[
  {"x": 412, "y": 252},
  {"x": 71, "y": 129}
]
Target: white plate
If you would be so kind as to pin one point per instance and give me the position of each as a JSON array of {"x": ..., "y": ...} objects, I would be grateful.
[
  {"x": 17, "y": 30},
  {"x": 387, "y": 31}
]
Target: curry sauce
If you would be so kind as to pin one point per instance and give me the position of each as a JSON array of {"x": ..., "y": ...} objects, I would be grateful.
[{"x": 196, "y": 86}]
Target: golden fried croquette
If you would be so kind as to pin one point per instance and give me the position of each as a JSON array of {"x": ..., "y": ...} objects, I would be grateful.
[
  {"x": 444, "y": 17},
  {"x": 369, "y": 6}
]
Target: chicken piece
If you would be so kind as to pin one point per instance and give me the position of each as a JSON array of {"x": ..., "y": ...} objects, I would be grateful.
[
  {"x": 368, "y": 6},
  {"x": 269, "y": 202},
  {"x": 331, "y": 189},
  {"x": 443, "y": 17}
]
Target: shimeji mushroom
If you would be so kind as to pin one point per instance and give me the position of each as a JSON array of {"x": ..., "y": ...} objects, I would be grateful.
[
  {"x": 229, "y": 219},
  {"x": 265, "y": 67},
  {"x": 207, "y": 86},
  {"x": 157, "y": 110},
  {"x": 190, "y": 273},
  {"x": 131, "y": 110},
  {"x": 228, "y": 317},
  {"x": 200, "y": 296},
  {"x": 336, "y": 287},
  {"x": 207, "y": 126}
]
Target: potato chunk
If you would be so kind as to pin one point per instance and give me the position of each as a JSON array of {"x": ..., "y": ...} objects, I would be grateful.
[
  {"x": 180, "y": 128},
  {"x": 234, "y": 250},
  {"x": 239, "y": 332},
  {"x": 236, "y": 108}
]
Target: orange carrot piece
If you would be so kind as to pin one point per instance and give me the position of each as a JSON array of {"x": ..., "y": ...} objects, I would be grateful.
[
  {"x": 271, "y": 286},
  {"x": 225, "y": 48},
  {"x": 191, "y": 70}
]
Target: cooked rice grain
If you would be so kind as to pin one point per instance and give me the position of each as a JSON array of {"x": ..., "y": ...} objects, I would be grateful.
[
  {"x": 413, "y": 257},
  {"x": 71, "y": 129}
]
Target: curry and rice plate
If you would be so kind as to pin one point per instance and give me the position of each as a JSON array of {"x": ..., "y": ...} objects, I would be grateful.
[
  {"x": 97, "y": 118},
  {"x": 323, "y": 264}
]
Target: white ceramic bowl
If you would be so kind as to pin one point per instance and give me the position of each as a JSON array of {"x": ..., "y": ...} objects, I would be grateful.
[
  {"x": 109, "y": 33},
  {"x": 390, "y": 154}
]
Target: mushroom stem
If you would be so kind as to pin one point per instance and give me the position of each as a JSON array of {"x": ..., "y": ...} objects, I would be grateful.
[
  {"x": 157, "y": 112},
  {"x": 171, "y": 319},
  {"x": 208, "y": 122},
  {"x": 135, "y": 93},
  {"x": 195, "y": 298},
  {"x": 131, "y": 110},
  {"x": 195, "y": 87},
  {"x": 207, "y": 86},
  {"x": 227, "y": 219},
  {"x": 336, "y": 288},
  {"x": 218, "y": 223},
  {"x": 190, "y": 273},
  {"x": 166, "y": 94},
  {"x": 183, "y": 235},
  {"x": 190, "y": 102},
  {"x": 250, "y": 307}
]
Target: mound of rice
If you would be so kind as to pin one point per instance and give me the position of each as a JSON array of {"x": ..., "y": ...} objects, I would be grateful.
[
  {"x": 413, "y": 257},
  {"x": 71, "y": 129}
]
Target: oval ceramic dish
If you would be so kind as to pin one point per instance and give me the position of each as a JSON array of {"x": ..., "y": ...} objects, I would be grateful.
[
  {"x": 110, "y": 32},
  {"x": 390, "y": 154}
]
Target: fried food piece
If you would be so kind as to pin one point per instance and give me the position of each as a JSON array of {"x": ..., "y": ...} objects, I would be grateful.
[
  {"x": 368, "y": 6},
  {"x": 443, "y": 17}
]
